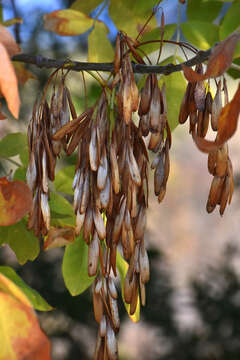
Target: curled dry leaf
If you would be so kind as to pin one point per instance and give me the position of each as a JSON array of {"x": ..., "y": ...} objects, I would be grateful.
[
  {"x": 59, "y": 237},
  {"x": 15, "y": 201}
]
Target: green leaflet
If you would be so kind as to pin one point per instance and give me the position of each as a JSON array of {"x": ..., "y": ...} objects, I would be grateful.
[
  {"x": 203, "y": 10},
  {"x": 64, "y": 178},
  {"x": 35, "y": 298},
  {"x": 122, "y": 267},
  {"x": 75, "y": 267},
  {"x": 61, "y": 210},
  {"x": 155, "y": 34},
  {"x": 85, "y": 6},
  {"x": 21, "y": 240},
  {"x": 99, "y": 47},
  {"x": 175, "y": 89},
  {"x": 200, "y": 33},
  {"x": 13, "y": 144}
]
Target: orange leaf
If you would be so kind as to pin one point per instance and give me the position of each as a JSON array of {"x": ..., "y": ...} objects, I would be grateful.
[
  {"x": 191, "y": 75},
  {"x": 23, "y": 75},
  {"x": 8, "y": 82},
  {"x": 59, "y": 237},
  {"x": 21, "y": 337},
  {"x": 203, "y": 144},
  {"x": 8, "y": 41},
  {"x": 8, "y": 287},
  {"x": 228, "y": 118},
  {"x": 15, "y": 201},
  {"x": 221, "y": 56}
]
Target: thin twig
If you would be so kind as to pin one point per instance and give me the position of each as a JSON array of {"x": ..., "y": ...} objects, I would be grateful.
[
  {"x": 17, "y": 25},
  {"x": 43, "y": 62}
]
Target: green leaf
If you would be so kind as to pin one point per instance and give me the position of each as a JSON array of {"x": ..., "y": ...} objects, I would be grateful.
[
  {"x": 155, "y": 34},
  {"x": 21, "y": 240},
  {"x": 13, "y": 144},
  {"x": 235, "y": 73},
  {"x": 99, "y": 46},
  {"x": 203, "y": 11},
  {"x": 175, "y": 89},
  {"x": 35, "y": 298},
  {"x": 61, "y": 210},
  {"x": 230, "y": 23},
  {"x": 122, "y": 267},
  {"x": 131, "y": 17},
  {"x": 20, "y": 174},
  {"x": 85, "y": 6},
  {"x": 64, "y": 178},
  {"x": 67, "y": 22},
  {"x": 201, "y": 34},
  {"x": 75, "y": 267}
]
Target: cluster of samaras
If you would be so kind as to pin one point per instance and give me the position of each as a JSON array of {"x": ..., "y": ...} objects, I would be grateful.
[
  {"x": 202, "y": 109},
  {"x": 111, "y": 175}
]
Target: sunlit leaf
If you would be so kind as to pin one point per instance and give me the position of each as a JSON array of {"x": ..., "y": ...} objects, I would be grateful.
[
  {"x": 85, "y": 6},
  {"x": 230, "y": 23},
  {"x": 22, "y": 241},
  {"x": 122, "y": 267},
  {"x": 21, "y": 337},
  {"x": 58, "y": 237},
  {"x": 59, "y": 205},
  {"x": 33, "y": 296},
  {"x": 15, "y": 201},
  {"x": 20, "y": 174},
  {"x": 8, "y": 82},
  {"x": 155, "y": 34},
  {"x": 64, "y": 178},
  {"x": 12, "y": 21},
  {"x": 175, "y": 89},
  {"x": 23, "y": 75},
  {"x": 200, "y": 33},
  {"x": 203, "y": 10},
  {"x": 12, "y": 144},
  {"x": 9, "y": 287},
  {"x": 99, "y": 46},
  {"x": 121, "y": 13},
  {"x": 67, "y": 22},
  {"x": 75, "y": 267},
  {"x": 8, "y": 41}
]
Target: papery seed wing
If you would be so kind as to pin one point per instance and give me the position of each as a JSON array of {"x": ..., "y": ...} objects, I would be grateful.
[
  {"x": 216, "y": 107},
  {"x": 45, "y": 210},
  {"x": 93, "y": 254},
  {"x": 144, "y": 264},
  {"x": 99, "y": 223},
  {"x": 102, "y": 171},
  {"x": 93, "y": 153},
  {"x": 111, "y": 343},
  {"x": 133, "y": 167}
]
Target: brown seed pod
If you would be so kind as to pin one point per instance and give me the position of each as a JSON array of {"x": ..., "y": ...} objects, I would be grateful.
[
  {"x": 144, "y": 264},
  {"x": 114, "y": 312},
  {"x": 155, "y": 110},
  {"x": 225, "y": 195},
  {"x": 93, "y": 254},
  {"x": 134, "y": 300},
  {"x": 212, "y": 160},
  {"x": 216, "y": 107},
  {"x": 99, "y": 223},
  {"x": 215, "y": 190},
  {"x": 111, "y": 343},
  {"x": 222, "y": 160},
  {"x": 146, "y": 96},
  {"x": 97, "y": 307}
]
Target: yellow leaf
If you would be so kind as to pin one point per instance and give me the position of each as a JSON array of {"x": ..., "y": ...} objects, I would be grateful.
[
  {"x": 7, "y": 286},
  {"x": 67, "y": 22},
  {"x": 99, "y": 47},
  {"x": 20, "y": 335},
  {"x": 8, "y": 81},
  {"x": 85, "y": 6},
  {"x": 8, "y": 41}
]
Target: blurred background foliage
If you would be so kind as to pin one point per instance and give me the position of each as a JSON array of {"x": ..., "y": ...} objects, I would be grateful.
[{"x": 196, "y": 317}]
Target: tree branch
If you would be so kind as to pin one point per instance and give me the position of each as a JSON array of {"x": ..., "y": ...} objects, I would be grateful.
[{"x": 43, "y": 62}]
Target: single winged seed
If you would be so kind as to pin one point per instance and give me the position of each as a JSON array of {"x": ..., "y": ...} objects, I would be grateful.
[
  {"x": 99, "y": 348},
  {"x": 98, "y": 285},
  {"x": 134, "y": 95},
  {"x": 105, "y": 194},
  {"x": 225, "y": 195},
  {"x": 212, "y": 160},
  {"x": 222, "y": 160},
  {"x": 45, "y": 210},
  {"x": 215, "y": 190},
  {"x": 111, "y": 343},
  {"x": 85, "y": 193},
  {"x": 79, "y": 222},
  {"x": 144, "y": 124},
  {"x": 184, "y": 108},
  {"x": 155, "y": 110},
  {"x": 146, "y": 95},
  {"x": 93, "y": 253},
  {"x": 44, "y": 172},
  {"x": 155, "y": 141},
  {"x": 88, "y": 223},
  {"x": 93, "y": 153},
  {"x": 77, "y": 198},
  {"x": 208, "y": 102},
  {"x": 144, "y": 264},
  {"x": 226, "y": 98},
  {"x": 103, "y": 326},
  {"x": 76, "y": 178},
  {"x": 140, "y": 223},
  {"x": 112, "y": 288},
  {"x": 134, "y": 301},
  {"x": 31, "y": 175},
  {"x": 64, "y": 111},
  {"x": 102, "y": 171},
  {"x": 118, "y": 222},
  {"x": 205, "y": 123},
  {"x": 127, "y": 100},
  {"x": 162, "y": 193},
  {"x": 156, "y": 160},
  {"x": 216, "y": 107},
  {"x": 114, "y": 312},
  {"x": 134, "y": 205},
  {"x": 127, "y": 220},
  {"x": 97, "y": 307},
  {"x": 159, "y": 174},
  {"x": 199, "y": 95},
  {"x": 128, "y": 288},
  {"x": 114, "y": 169},
  {"x": 133, "y": 167},
  {"x": 142, "y": 292},
  {"x": 99, "y": 223}
]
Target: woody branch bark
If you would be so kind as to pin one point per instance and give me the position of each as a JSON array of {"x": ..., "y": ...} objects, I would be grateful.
[{"x": 43, "y": 62}]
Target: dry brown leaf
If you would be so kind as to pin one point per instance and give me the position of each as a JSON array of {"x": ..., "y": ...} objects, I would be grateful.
[
  {"x": 58, "y": 237},
  {"x": 8, "y": 82}
]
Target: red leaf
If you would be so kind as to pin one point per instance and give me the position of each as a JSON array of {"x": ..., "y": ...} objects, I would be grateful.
[
  {"x": 15, "y": 201},
  {"x": 228, "y": 119},
  {"x": 221, "y": 56}
]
